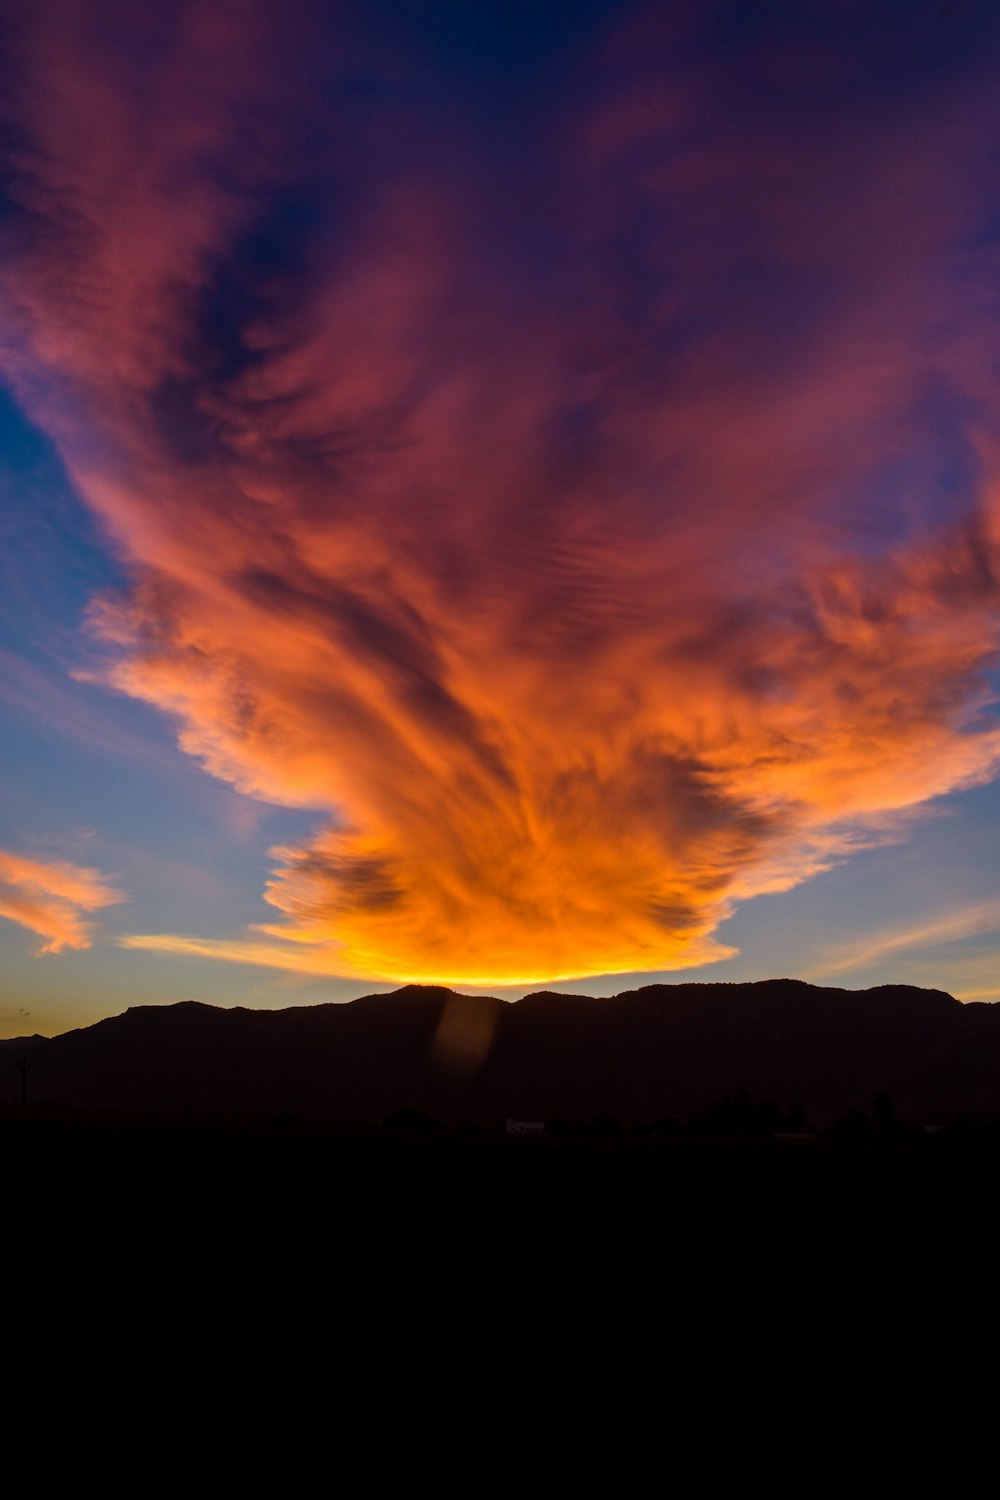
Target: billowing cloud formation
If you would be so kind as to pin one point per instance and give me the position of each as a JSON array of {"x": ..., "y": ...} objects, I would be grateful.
[
  {"x": 48, "y": 897},
  {"x": 587, "y": 501}
]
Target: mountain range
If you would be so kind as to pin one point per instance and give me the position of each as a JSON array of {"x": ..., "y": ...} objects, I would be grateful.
[{"x": 643, "y": 1055}]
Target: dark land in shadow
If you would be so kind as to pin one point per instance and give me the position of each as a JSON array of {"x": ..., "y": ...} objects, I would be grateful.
[
  {"x": 777, "y": 1064},
  {"x": 713, "y": 1152}
]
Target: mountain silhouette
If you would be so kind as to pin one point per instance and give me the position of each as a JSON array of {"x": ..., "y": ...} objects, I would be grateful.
[{"x": 662, "y": 1050}]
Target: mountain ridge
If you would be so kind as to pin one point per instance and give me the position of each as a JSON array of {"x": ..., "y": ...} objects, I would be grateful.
[{"x": 646, "y": 1053}]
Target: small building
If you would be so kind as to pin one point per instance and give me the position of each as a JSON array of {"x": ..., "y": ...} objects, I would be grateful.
[{"x": 525, "y": 1127}]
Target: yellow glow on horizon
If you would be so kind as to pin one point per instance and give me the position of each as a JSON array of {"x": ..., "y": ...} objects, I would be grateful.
[{"x": 327, "y": 961}]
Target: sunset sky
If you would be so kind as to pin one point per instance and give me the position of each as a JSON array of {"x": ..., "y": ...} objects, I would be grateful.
[{"x": 497, "y": 493}]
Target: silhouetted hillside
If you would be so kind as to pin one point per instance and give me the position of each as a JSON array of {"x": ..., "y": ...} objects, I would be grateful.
[{"x": 663, "y": 1050}]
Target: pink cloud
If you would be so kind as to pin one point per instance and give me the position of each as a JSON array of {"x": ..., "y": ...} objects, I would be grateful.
[
  {"x": 49, "y": 898},
  {"x": 582, "y": 599}
]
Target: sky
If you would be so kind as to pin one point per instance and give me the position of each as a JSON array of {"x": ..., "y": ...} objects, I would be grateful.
[{"x": 500, "y": 494}]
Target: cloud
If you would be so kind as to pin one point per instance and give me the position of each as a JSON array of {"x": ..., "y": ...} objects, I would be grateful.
[
  {"x": 596, "y": 538},
  {"x": 49, "y": 898},
  {"x": 980, "y": 918}
]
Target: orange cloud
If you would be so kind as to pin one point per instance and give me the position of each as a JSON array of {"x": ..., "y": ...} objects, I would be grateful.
[
  {"x": 48, "y": 897},
  {"x": 582, "y": 600}
]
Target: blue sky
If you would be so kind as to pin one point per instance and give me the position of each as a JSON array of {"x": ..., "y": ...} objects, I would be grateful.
[{"x": 481, "y": 499}]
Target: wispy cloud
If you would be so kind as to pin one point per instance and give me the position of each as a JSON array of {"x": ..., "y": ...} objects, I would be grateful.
[
  {"x": 589, "y": 555},
  {"x": 296, "y": 955},
  {"x": 50, "y": 898},
  {"x": 952, "y": 927}
]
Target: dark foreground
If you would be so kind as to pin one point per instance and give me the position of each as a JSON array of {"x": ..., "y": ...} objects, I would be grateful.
[
  {"x": 312, "y": 1172},
  {"x": 753, "y": 1270}
]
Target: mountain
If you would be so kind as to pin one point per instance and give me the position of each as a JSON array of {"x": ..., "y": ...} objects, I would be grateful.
[{"x": 662, "y": 1050}]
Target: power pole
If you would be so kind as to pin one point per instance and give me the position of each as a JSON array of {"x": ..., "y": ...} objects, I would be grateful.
[{"x": 24, "y": 1067}]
